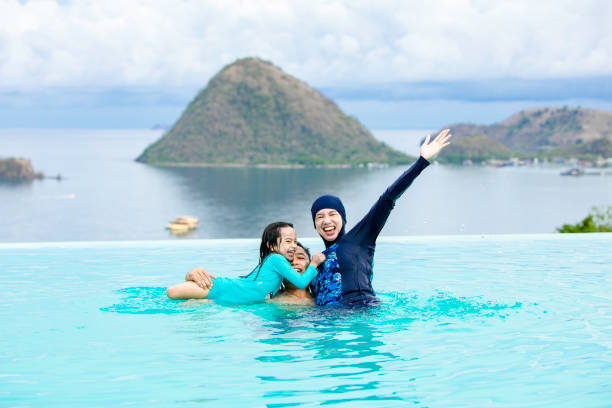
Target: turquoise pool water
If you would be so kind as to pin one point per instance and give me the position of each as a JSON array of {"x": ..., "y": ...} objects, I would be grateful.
[{"x": 472, "y": 321}]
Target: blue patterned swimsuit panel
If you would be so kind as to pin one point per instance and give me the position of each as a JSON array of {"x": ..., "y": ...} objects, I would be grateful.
[{"x": 327, "y": 285}]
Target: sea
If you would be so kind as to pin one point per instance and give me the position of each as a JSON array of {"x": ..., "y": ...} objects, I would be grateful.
[{"x": 105, "y": 195}]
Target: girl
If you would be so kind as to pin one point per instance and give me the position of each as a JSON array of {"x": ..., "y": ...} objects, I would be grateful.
[
  {"x": 278, "y": 245},
  {"x": 346, "y": 275}
]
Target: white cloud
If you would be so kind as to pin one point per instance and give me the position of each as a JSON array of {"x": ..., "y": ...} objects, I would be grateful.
[{"x": 169, "y": 43}]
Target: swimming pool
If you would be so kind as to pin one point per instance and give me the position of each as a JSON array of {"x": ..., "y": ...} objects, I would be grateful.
[{"x": 466, "y": 321}]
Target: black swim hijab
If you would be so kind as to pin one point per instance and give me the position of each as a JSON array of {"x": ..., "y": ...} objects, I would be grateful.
[
  {"x": 333, "y": 202},
  {"x": 328, "y": 201}
]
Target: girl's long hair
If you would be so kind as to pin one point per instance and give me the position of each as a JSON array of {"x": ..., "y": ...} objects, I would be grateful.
[{"x": 269, "y": 240}]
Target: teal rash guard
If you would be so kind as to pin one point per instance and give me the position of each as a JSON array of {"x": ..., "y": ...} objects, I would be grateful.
[{"x": 260, "y": 283}]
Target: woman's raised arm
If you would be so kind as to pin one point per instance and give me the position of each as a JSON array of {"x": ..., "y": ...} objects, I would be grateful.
[{"x": 368, "y": 229}]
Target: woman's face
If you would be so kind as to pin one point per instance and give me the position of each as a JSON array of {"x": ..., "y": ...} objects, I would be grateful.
[
  {"x": 287, "y": 243},
  {"x": 300, "y": 260},
  {"x": 328, "y": 223}
]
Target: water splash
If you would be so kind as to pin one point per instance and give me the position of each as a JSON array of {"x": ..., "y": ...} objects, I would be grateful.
[
  {"x": 150, "y": 300},
  {"x": 396, "y": 306},
  {"x": 443, "y": 304}
]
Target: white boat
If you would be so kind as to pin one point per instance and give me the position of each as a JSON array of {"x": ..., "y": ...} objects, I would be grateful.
[{"x": 182, "y": 225}]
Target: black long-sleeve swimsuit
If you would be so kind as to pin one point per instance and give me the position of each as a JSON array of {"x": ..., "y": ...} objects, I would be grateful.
[{"x": 346, "y": 275}]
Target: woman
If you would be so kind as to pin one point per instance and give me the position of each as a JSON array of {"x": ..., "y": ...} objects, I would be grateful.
[
  {"x": 346, "y": 275},
  {"x": 277, "y": 248}
]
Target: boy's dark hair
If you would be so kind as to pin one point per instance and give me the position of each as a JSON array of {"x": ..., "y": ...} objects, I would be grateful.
[{"x": 305, "y": 250}]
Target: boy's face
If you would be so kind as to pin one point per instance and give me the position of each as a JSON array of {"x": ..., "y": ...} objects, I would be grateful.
[{"x": 300, "y": 260}]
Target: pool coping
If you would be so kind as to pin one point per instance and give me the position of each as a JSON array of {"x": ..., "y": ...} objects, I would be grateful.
[{"x": 308, "y": 240}]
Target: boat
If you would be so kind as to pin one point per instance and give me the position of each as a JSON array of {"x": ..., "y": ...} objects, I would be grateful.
[
  {"x": 183, "y": 225},
  {"x": 576, "y": 171}
]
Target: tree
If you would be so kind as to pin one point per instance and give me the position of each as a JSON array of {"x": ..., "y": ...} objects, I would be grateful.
[{"x": 598, "y": 220}]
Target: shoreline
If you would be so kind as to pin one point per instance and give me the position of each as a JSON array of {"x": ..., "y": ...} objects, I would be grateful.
[
  {"x": 594, "y": 171},
  {"x": 266, "y": 165}
]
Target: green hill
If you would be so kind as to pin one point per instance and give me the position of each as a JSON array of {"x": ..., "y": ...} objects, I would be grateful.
[
  {"x": 252, "y": 113},
  {"x": 545, "y": 132}
]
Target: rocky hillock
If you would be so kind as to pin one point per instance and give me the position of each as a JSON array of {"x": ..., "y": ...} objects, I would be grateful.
[{"x": 13, "y": 169}]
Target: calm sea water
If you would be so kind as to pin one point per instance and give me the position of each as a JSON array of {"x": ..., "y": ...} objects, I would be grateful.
[
  {"x": 107, "y": 196},
  {"x": 466, "y": 321}
]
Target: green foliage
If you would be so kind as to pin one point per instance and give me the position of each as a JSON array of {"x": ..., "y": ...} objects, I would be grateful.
[
  {"x": 584, "y": 151},
  {"x": 598, "y": 220},
  {"x": 476, "y": 148},
  {"x": 525, "y": 121}
]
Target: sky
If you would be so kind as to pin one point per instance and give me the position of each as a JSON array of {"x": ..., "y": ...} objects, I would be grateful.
[{"x": 392, "y": 64}]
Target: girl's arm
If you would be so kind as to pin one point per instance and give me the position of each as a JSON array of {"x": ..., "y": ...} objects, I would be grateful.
[
  {"x": 368, "y": 229},
  {"x": 280, "y": 264}
]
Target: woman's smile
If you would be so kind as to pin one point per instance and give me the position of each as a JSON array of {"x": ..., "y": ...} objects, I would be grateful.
[{"x": 328, "y": 223}]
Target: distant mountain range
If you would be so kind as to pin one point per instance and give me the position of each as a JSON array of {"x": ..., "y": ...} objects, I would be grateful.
[
  {"x": 543, "y": 132},
  {"x": 253, "y": 113}
]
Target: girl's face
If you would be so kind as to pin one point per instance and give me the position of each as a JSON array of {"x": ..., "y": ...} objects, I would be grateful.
[
  {"x": 328, "y": 223},
  {"x": 286, "y": 244}
]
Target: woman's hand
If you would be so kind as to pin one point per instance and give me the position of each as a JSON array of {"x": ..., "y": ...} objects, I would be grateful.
[
  {"x": 429, "y": 150},
  {"x": 200, "y": 277},
  {"x": 317, "y": 259}
]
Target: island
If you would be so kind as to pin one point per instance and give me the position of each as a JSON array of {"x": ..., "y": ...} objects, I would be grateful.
[
  {"x": 542, "y": 133},
  {"x": 252, "y": 113},
  {"x": 17, "y": 169}
]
